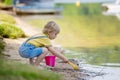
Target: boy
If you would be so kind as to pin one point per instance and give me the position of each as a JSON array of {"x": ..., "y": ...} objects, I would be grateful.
[{"x": 39, "y": 46}]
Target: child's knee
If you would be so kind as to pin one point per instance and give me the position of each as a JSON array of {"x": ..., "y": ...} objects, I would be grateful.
[{"x": 45, "y": 50}]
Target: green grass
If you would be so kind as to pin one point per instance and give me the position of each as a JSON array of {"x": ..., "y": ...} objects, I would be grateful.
[{"x": 10, "y": 70}]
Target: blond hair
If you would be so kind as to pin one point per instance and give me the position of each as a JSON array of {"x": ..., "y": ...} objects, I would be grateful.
[{"x": 51, "y": 26}]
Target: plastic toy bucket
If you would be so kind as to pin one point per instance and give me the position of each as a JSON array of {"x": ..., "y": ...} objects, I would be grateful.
[{"x": 50, "y": 61}]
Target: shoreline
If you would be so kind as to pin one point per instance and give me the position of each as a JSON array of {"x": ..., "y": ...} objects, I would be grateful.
[{"x": 12, "y": 45}]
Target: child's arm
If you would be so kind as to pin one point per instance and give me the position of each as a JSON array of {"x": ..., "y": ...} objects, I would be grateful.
[
  {"x": 58, "y": 54},
  {"x": 61, "y": 56}
]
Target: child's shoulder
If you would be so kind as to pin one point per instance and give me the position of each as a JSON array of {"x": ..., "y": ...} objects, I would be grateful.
[{"x": 40, "y": 34}]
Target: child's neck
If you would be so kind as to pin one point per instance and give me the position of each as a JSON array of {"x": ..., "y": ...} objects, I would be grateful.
[{"x": 46, "y": 34}]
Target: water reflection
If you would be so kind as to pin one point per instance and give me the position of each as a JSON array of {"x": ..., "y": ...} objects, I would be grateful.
[{"x": 97, "y": 56}]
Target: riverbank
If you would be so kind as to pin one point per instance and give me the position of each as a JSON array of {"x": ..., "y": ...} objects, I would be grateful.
[
  {"x": 66, "y": 70},
  {"x": 11, "y": 51}
]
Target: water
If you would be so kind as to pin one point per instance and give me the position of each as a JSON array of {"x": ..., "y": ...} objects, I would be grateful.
[
  {"x": 98, "y": 66},
  {"x": 102, "y": 73}
]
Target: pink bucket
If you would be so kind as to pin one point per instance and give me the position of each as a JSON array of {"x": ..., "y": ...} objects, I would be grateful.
[{"x": 50, "y": 60}]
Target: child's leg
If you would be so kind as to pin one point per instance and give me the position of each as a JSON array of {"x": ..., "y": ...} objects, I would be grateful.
[
  {"x": 31, "y": 61},
  {"x": 41, "y": 57}
]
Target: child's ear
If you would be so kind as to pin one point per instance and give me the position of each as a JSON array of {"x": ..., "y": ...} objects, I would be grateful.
[{"x": 50, "y": 31}]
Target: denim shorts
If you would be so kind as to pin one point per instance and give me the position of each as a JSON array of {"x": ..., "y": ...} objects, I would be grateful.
[{"x": 29, "y": 51}]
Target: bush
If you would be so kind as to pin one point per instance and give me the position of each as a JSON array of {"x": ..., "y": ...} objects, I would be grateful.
[
  {"x": 7, "y": 18},
  {"x": 8, "y": 2},
  {"x": 8, "y": 30}
]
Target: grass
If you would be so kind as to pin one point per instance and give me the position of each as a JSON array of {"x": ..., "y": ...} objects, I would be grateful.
[{"x": 17, "y": 71}]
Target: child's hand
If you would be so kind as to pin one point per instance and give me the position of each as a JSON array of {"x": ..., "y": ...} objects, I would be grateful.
[
  {"x": 73, "y": 65},
  {"x": 63, "y": 62}
]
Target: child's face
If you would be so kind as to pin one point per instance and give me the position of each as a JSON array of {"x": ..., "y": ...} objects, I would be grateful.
[{"x": 52, "y": 35}]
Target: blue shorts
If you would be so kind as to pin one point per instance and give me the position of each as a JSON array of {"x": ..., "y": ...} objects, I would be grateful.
[{"x": 29, "y": 51}]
